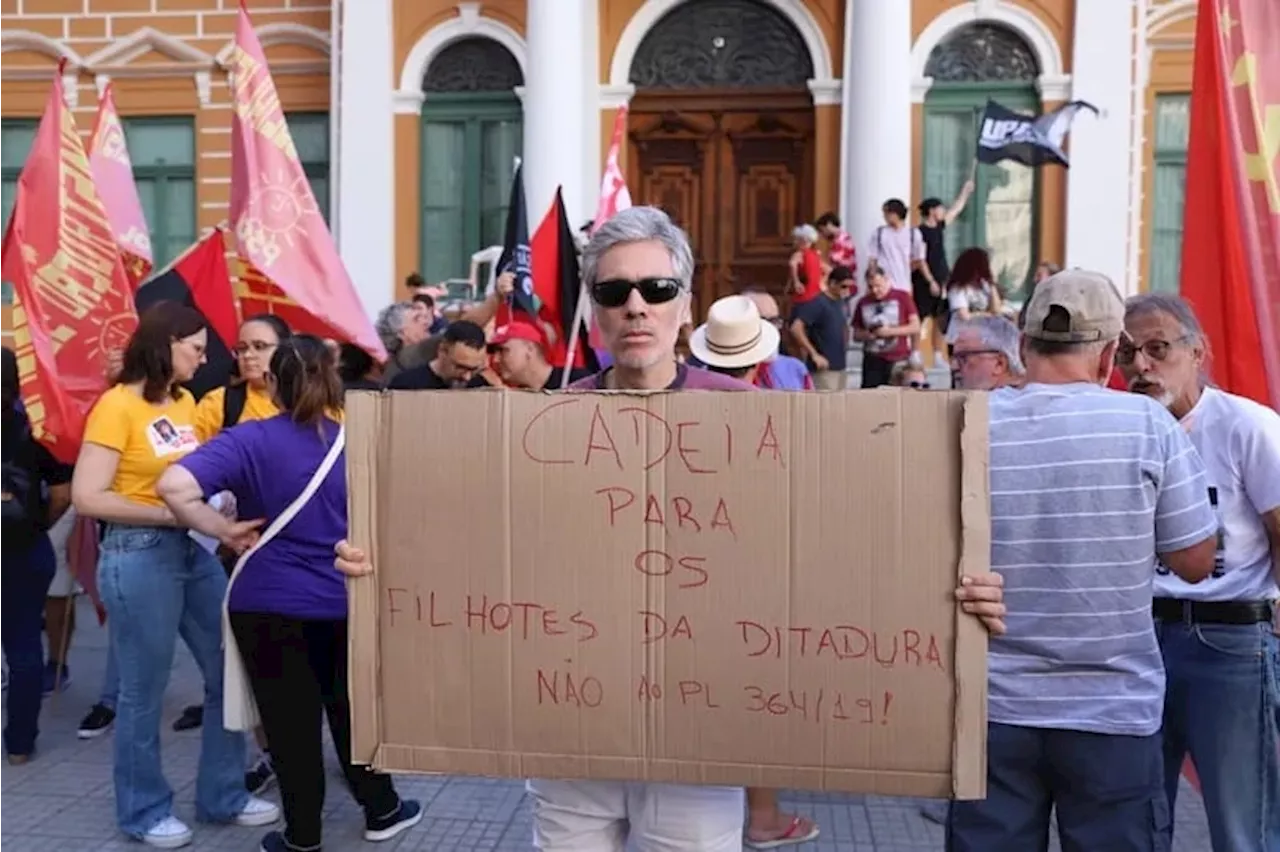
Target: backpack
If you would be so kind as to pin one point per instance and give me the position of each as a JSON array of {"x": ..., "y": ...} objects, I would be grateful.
[
  {"x": 24, "y": 517},
  {"x": 233, "y": 402}
]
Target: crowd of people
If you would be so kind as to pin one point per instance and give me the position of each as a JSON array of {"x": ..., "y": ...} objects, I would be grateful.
[{"x": 1135, "y": 541}]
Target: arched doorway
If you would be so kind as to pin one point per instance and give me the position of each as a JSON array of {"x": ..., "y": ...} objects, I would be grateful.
[
  {"x": 971, "y": 65},
  {"x": 721, "y": 136},
  {"x": 472, "y": 130}
]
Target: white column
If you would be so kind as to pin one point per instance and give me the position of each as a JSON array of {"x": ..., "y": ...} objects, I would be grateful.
[
  {"x": 1100, "y": 147},
  {"x": 877, "y": 112},
  {"x": 555, "y": 108},
  {"x": 364, "y": 164}
]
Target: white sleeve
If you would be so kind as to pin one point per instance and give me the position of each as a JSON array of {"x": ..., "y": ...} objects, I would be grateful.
[{"x": 1259, "y": 457}]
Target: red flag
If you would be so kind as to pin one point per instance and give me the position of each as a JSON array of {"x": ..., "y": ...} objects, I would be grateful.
[
  {"x": 614, "y": 195},
  {"x": 202, "y": 270},
  {"x": 1231, "y": 229},
  {"x": 113, "y": 174},
  {"x": 73, "y": 302},
  {"x": 259, "y": 295},
  {"x": 558, "y": 283},
  {"x": 278, "y": 226}
]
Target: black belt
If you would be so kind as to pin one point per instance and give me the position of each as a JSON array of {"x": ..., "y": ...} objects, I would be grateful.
[{"x": 1211, "y": 612}]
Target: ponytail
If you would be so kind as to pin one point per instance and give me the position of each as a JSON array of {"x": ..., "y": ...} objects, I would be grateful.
[{"x": 306, "y": 376}]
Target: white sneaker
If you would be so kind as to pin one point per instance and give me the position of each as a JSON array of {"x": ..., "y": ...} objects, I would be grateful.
[
  {"x": 169, "y": 833},
  {"x": 257, "y": 812}
]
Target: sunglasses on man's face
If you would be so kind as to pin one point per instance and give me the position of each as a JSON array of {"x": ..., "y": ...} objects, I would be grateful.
[
  {"x": 615, "y": 292},
  {"x": 919, "y": 385}
]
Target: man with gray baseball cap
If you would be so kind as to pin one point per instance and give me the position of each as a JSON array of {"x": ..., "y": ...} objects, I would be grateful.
[{"x": 1088, "y": 487}]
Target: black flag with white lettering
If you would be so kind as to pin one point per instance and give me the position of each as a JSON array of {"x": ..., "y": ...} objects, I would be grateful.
[{"x": 1027, "y": 139}]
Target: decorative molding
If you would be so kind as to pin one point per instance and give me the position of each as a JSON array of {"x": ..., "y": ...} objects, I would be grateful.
[
  {"x": 116, "y": 60},
  {"x": 468, "y": 23},
  {"x": 1053, "y": 78},
  {"x": 920, "y": 89},
  {"x": 648, "y": 15},
  {"x": 614, "y": 97},
  {"x": 26, "y": 40},
  {"x": 827, "y": 92},
  {"x": 1165, "y": 14}
]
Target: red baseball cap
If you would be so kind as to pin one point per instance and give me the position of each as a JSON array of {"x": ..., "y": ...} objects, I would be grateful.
[{"x": 515, "y": 331}]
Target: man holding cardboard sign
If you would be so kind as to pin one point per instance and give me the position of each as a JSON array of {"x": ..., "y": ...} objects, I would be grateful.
[{"x": 638, "y": 269}]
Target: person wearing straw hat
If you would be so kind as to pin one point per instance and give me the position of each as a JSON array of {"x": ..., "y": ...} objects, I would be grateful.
[{"x": 734, "y": 340}]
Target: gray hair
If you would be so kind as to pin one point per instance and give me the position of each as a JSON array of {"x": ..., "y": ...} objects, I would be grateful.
[
  {"x": 391, "y": 321},
  {"x": 806, "y": 232},
  {"x": 1166, "y": 303},
  {"x": 998, "y": 334},
  {"x": 638, "y": 225}
]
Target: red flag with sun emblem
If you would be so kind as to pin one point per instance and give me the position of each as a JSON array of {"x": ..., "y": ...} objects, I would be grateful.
[
  {"x": 1231, "y": 229},
  {"x": 73, "y": 301},
  {"x": 278, "y": 226}
]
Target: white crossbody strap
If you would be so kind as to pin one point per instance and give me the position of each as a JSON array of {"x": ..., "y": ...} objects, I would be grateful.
[{"x": 282, "y": 520}]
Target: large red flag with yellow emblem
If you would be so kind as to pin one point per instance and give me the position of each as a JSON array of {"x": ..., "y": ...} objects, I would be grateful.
[
  {"x": 113, "y": 175},
  {"x": 73, "y": 300},
  {"x": 1231, "y": 230},
  {"x": 278, "y": 226}
]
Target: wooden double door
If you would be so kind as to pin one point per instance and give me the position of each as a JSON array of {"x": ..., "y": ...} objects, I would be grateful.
[{"x": 736, "y": 172}]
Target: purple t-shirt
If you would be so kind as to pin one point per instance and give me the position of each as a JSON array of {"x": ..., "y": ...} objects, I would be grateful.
[
  {"x": 686, "y": 379},
  {"x": 266, "y": 464}
]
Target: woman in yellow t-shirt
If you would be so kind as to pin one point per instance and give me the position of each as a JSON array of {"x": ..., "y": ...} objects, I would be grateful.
[
  {"x": 156, "y": 581},
  {"x": 239, "y": 402}
]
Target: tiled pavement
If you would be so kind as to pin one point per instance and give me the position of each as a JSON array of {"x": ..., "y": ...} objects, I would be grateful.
[{"x": 62, "y": 801}]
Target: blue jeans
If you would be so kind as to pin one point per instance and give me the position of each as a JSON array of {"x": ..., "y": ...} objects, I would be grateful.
[
  {"x": 110, "y": 678},
  {"x": 1220, "y": 707},
  {"x": 156, "y": 583},
  {"x": 26, "y": 578},
  {"x": 1108, "y": 791}
]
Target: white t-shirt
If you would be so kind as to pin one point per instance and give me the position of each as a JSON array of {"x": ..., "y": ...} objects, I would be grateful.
[
  {"x": 1239, "y": 441},
  {"x": 894, "y": 250}
]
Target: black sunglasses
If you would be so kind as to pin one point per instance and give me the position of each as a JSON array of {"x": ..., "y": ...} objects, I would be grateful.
[
  {"x": 615, "y": 292},
  {"x": 919, "y": 385}
]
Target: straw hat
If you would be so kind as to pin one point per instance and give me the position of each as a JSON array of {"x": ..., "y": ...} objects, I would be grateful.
[{"x": 734, "y": 336}]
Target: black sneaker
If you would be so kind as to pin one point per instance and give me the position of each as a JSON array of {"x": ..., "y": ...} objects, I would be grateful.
[
  {"x": 275, "y": 842},
  {"x": 96, "y": 722},
  {"x": 192, "y": 717},
  {"x": 401, "y": 819},
  {"x": 260, "y": 777}
]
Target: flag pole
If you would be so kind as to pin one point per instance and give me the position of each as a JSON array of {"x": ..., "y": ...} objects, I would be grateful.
[{"x": 579, "y": 320}]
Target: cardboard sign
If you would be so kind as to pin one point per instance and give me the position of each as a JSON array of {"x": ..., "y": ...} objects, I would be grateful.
[{"x": 706, "y": 588}]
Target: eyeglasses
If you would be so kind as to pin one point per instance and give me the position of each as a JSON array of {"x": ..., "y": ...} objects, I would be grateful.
[
  {"x": 615, "y": 292},
  {"x": 1155, "y": 350},
  {"x": 919, "y": 385},
  {"x": 254, "y": 345},
  {"x": 960, "y": 358}
]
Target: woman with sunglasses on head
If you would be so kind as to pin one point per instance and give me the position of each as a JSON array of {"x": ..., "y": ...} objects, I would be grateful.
[
  {"x": 244, "y": 399},
  {"x": 287, "y": 603},
  {"x": 156, "y": 581}
]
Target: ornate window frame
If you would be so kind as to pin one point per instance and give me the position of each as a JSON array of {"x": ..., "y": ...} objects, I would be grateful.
[{"x": 468, "y": 23}]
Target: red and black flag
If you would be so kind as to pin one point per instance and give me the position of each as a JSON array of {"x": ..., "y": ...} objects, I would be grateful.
[
  {"x": 558, "y": 284},
  {"x": 199, "y": 279}
]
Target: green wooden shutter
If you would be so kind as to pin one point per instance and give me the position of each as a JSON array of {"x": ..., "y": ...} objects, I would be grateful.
[
  {"x": 310, "y": 132},
  {"x": 950, "y": 139},
  {"x": 163, "y": 153},
  {"x": 1002, "y": 215},
  {"x": 499, "y": 145},
  {"x": 443, "y": 200},
  {"x": 16, "y": 136},
  {"x": 1172, "y": 122}
]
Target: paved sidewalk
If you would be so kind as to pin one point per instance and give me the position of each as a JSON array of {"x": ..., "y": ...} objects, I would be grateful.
[{"x": 62, "y": 801}]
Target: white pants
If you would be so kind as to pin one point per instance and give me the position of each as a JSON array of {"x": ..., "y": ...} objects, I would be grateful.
[{"x": 599, "y": 816}]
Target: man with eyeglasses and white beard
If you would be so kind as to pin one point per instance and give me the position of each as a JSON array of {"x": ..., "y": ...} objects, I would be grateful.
[
  {"x": 1221, "y": 655},
  {"x": 638, "y": 269}
]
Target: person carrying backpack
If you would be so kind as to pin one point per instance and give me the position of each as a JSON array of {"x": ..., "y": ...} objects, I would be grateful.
[{"x": 36, "y": 492}]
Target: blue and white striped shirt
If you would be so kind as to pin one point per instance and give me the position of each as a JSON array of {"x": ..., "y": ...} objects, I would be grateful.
[{"x": 1087, "y": 485}]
